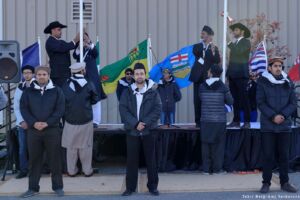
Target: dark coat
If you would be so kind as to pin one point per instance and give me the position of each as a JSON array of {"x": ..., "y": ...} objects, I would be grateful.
[
  {"x": 92, "y": 73},
  {"x": 169, "y": 94},
  {"x": 79, "y": 104},
  {"x": 122, "y": 85},
  {"x": 238, "y": 59},
  {"x": 59, "y": 57},
  {"x": 149, "y": 111},
  {"x": 48, "y": 107},
  {"x": 273, "y": 99},
  {"x": 213, "y": 115},
  {"x": 199, "y": 71}
]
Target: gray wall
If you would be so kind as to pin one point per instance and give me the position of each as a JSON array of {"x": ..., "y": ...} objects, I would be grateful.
[{"x": 121, "y": 24}]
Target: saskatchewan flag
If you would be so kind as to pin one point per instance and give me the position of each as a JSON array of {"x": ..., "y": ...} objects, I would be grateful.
[{"x": 110, "y": 74}]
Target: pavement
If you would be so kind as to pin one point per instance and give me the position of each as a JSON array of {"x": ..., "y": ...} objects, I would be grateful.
[{"x": 173, "y": 186}]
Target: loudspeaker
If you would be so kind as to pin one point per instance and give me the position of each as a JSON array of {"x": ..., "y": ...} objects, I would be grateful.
[{"x": 10, "y": 62}]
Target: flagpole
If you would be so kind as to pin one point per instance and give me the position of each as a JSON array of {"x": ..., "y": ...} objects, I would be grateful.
[
  {"x": 40, "y": 52},
  {"x": 149, "y": 52},
  {"x": 224, "y": 39},
  {"x": 98, "y": 65},
  {"x": 265, "y": 46},
  {"x": 81, "y": 29}
]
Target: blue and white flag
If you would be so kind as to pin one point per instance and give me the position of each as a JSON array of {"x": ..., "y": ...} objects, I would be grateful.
[
  {"x": 31, "y": 55},
  {"x": 179, "y": 63},
  {"x": 258, "y": 62}
]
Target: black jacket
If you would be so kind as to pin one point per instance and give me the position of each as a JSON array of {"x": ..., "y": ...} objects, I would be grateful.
[
  {"x": 59, "y": 57},
  {"x": 122, "y": 85},
  {"x": 47, "y": 107},
  {"x": 199, "y": 71},
  {"x": 169, "y": 94},
  {"x": 213, "y": 99},
  {"x": 79, "y": 104},
  {"x": 238, "y": 59},
  {"x": 273, "y": 99},
  {"x": 149, "y": 111}
]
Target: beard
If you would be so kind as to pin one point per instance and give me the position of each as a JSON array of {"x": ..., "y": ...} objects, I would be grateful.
[{"x": 140, "y": 81}]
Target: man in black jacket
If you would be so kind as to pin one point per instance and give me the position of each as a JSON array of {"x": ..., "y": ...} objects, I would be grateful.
[
  {"x": 42, "y": 106},
  {"x": 124, "y": 82},
  {"x": 206, "y": 54},
  {"x": 277, "y": 102},
  {"x": 140, "y": 108},
  {"x": 59, "y": 53},
  {"x": 78, "y": 131},
  {"x": 238, "y": 73}
]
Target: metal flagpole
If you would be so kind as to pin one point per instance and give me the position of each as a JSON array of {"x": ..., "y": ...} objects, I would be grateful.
[
  {"x": 224, "y": 39},
  {"x": 81, "y": 29},
  {"x": 40, "y": 50}
]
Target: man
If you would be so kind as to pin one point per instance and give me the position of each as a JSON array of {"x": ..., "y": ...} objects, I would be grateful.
[
  {"x": 22, "y": 126},
  {"x": 91, "y": 53},
  {"x": 206, "y": 54},
  {"x": 125, "y": 82},
  {"x": 140, "y": 109},
  {"x": 59, "y": 52},
  {"x": 277, "y": 102},
  {"x": 78, "y": 131},
  {"x": 238, "y": 73},
  {"x": 169, "y": 94},
  {"x": 214, "y": 95},
  {"x": 42, "y": 107}
]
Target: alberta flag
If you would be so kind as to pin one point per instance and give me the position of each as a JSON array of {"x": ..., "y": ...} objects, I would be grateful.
[
  {"x": 259, "y": 60},
  {"x": 31, "y": 55},
  {"x": 179, "y": 63},
  {"x": 110, "y": 74}
]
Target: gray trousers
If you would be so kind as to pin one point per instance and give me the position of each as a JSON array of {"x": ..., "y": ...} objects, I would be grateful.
[{"x": 84, "y": 155}]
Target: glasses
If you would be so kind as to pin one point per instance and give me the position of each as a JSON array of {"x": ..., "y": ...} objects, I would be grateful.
[{"x": 128, "y": 74}]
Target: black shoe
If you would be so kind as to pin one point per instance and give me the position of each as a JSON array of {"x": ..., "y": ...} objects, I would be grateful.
[
  {"x": 95, "y": 125},
  {"x": 289, "y": 188},
  {"x": 59, "y": 192},
  {"x": 89, "y": 175},
  {"x": 127, "y": 193},
  {"x": 265, "y": 188},
  {"x": 154, "y": 192},
  {"x": 21, "y": 175},
  {"x": 234, "y": 125},
  {"x": 29, "y": 193},
  {"x": 246, "y": 125}
]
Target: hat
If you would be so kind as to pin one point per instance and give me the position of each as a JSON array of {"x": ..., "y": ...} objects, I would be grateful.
[
  {"x": 276, "y": 59},
  {"x": 241, "y": 26},
  {"x": 53, "y": 25},
  {"x": 77, "y": 67},
  {"x": 166, "y": 71},
  {"x": 28, "y": 67},
  {"x": 216, "y": 70},
  {"x": 208, "y": 30}
]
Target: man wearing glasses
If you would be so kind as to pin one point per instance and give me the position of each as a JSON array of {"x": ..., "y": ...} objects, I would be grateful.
[{"x": 125, "y": 82}]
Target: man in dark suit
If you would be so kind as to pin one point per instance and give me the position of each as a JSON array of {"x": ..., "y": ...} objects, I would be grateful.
[
  {"x": 59, "y": 52},
  {"x": 206, "y": 54},
  {"x": 238, "y": 73}
]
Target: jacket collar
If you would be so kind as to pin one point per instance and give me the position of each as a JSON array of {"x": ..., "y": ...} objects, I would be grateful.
[
  {"x": 272, "y": 79},
  {"x": 162, "y": 81},
  {"x": 124, "y": 82},
  {"x": 149, "y": 84},
  {"x": 22, "y": 85},
  {"x": 211, "y": 81},
  {"x": 47, "y": 87}
]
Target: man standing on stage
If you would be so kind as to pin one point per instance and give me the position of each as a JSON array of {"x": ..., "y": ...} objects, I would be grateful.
[
  {"x": 59, "y": 53},
  {"x": 22, "y": 126},
  {"x": 277, "y": 102},
  {"x": 206, "y": 54},
  {"x": 124, "y": 82},
  {"x": 238, "y": 73},
  {"x": 42, "y": 107},
  {"x": 140, "y": 108}
]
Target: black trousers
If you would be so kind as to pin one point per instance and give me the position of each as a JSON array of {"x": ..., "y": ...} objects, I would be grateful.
[
  {"x": 273, "y": 143},
  {"x": 59, "y": 81},
  {"x": 238, "y": 89},
  {"x": 197, "y": 103},
  {"x": 213, "y": 155},
  {"x": 134, "y": 144},
  {"x": 48, "y": 140}
]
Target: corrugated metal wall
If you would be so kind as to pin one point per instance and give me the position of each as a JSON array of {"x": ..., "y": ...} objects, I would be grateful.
[{"x": 121, "y": 24}]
